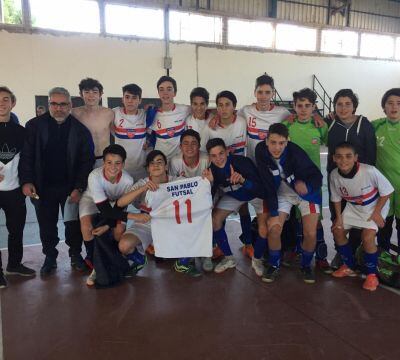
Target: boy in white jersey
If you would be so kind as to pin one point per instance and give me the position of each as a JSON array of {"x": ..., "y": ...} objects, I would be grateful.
[
  {"x": 106, "y": 185},
  {"x": 98, "y": 119},
  {"x": 130, "y": 130},
  {"x": 200, "y": 116},
  {"x": 169, "y": 120},
  {"x": 262, "y": 114},
  {"x": 366, "y": 192}
]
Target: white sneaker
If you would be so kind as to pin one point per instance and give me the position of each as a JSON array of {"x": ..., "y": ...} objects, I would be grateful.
[
  {"x": 90, "y": 281},
  {"x": 257, "y": 265},
  {"x": 226, "y": 263},
  {"x": 207, "y": 264}
]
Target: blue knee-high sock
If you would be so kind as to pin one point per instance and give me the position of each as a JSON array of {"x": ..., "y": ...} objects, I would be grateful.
[
  {"x": 321, "y": 250},
  {"x": 371, "y": 262},
  {"x": 346, "y": 254},
  {"x": 137, "y": 257},
  {"x": 306, "y": 258},
  {"x": 222, "y": 240},
  {"x": 259, "y": 247},
  {"x": 184, "y": 261},
  {"x": 274, "y": 258},
  {"x": 89, "y": 245},
  {"x": 299, "y": 236},
  {"x": 245, "y": 223}
]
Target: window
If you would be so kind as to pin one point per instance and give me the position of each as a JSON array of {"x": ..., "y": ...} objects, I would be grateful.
[
  {"x": 339, "y": 42},
  {"x": 292, "y": 37},
  {"x": 377, "y": 46},
  {"x": 11, "y": 12},
  {"x": 398, "y": 48},
  {"x": 250, "y": 33},
  {"x": 186, "y": 26},
  {"x": 128, "y": 20},
  {"x": 71, "y": 15}
]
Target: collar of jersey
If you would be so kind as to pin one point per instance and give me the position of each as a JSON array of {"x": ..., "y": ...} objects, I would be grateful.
[
  {"x": 271, "y": 106},
  {"x": 159, "y": 109},
  {"x": 197, "y": 162},
  {"x": 352, "y": 173},
  {"x": 116, "y": 180},
  {"x": 222, "y": 126}
]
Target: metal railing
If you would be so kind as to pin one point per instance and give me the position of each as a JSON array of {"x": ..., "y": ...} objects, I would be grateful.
[{"x": 323, "y": 96}]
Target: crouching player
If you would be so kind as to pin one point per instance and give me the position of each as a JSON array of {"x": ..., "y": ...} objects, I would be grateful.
[
  {"x": 298, "y": 182},
  {"x": 106, "y": 185},
  {"x": 366, "y": 192},
  {"x": 237, "y": 178}
]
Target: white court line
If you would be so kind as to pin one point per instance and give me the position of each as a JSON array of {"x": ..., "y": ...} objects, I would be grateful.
[{"x": 31, "y": 245}]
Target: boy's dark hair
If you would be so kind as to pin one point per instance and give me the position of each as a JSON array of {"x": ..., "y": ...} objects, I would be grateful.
[
  {"x": 391, "y": 92},
  {"x": 152, "y": 154},
  {"x": 8, "y": 91},
  {"x": 346, "y": 93},
  {"x": 190, "y": 132},
  {"x": 212, "y": 143},
  {"x": 132, "y": 89},
  {"x": 201, "y": 92},
  {"x": 167, "y": 78},
  {"x": 305, "y": 93},
  {"x": 227, "y": 94},
  {"x": 278, "y": 129},
  {"x": 264, "y": 80},
  {"x": 90, "y": 84},
  {"x": 345, "y": 145},
  {"x": 114, "y": 149}
]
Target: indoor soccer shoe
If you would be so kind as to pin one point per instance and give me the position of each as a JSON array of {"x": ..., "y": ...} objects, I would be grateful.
[
  {"x": 344, "y": 271},
  {"x": 248, "y": 250},
  {"x": 21, "y": 270},
  {"x": 270, "y": 274},
  {"x": 189, "y": 269},
  {"x": 228, "y": 262},
  {"x": 323, "y": 265},
  {"x": 308, "y": 275},
  {"x": 207, "y": 264},
  {"x": 371, "y": 282},
  {"x": 3, "y": 280},
  {"x": 258, "y": 266}
]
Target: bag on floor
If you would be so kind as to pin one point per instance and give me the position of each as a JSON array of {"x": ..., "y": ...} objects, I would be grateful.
[{"x": 110, "y": 265}]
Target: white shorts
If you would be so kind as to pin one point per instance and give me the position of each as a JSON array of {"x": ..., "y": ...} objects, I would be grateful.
[
  {"x": 142, "y": 232},
  {"x": 259, "y": 205},
  {"x": 285, "y": 204},
  {"x": 354, "y": 219},
  {"x": 229, "y": 203},
  {"x": 87, "y": 206}
]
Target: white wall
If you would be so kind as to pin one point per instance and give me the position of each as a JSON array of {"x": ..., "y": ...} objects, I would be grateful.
[{"x": 31, "y": 64}]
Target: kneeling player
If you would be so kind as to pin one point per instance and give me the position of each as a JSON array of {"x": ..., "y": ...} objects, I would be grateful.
[
  {"x": 298, "y": 182},
  {"x": 366, "y": 192},
  {"x": 236, "y": 177}
]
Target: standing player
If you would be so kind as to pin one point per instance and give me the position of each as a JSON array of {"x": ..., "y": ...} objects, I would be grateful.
[
  {"x": 366, "y": 192},
  {"x": 169, "y": 120},
  {"x": 130, "y": 130},
  {"x": 190, "y": 163},
  {"x": 96, "y": 118},
  {"x": 298, "y": 182},
  {"x": 200, "y": 117},
  {"x": 237, "y": 178},
  {"x": 387, "y": 131},
  {"x": 304, "y": 132},
  {"x": 12, "y": 201}
]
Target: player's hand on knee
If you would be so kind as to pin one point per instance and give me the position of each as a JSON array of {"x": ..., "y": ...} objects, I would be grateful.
[
  {"x": 338, "y": 224},
  {"x": 377, "y": 218},
  {"x": 100, "y": 230},
  {"x": 141, "y": 218}
]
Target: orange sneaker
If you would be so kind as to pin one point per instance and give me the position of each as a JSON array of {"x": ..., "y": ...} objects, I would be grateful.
[
  {"x": 248, "y": 250},
  {"x": 371, "y": 282},
  {"x": 150, "y": 250},
  {"x": 343, "y": 271},
  {"x": 217, "y": 253}
]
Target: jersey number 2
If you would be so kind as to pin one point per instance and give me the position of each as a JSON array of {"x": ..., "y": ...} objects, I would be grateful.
[{"x": 188, "y": 211}]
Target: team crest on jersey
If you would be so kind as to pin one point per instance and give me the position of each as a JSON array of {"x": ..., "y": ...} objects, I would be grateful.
[
  {"x": 314, "y": 141},
  {"x": 171, "y": 132},
  {"x": 262, "y": 134},
  {"x": 130, "y": 133}
]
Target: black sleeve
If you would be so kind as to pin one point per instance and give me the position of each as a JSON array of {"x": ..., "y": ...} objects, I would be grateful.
[
  {"x": 26, "y": 166},
  {"x": 369, "y": 142},
  {"x": 249, "y": 171},
  {"x": 86, "y": 158},
  {"x": 112, "y": 214}
]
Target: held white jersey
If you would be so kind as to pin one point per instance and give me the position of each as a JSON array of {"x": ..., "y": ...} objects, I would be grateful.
[
  {"x": 258, "y": 123},
  {"x": 199, "y": 125},
  {"x": 130, "y": 132},
  {"x": 179, "y": 168},
  {"x": 168, "y": 127},
  {"x": 362, "y": 191},
  {"x": 100, "y": 189},
  {"x": 234, "y": 135},
  {"x": 181, "y": 223}
]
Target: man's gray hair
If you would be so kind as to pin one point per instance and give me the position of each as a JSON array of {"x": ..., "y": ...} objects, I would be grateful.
[{"x": 61, "y": 91}]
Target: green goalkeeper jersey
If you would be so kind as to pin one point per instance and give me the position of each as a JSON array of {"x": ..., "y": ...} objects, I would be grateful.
[
  {"x": 308, "y": 137},
  {"x": 388, "y": 149}
]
